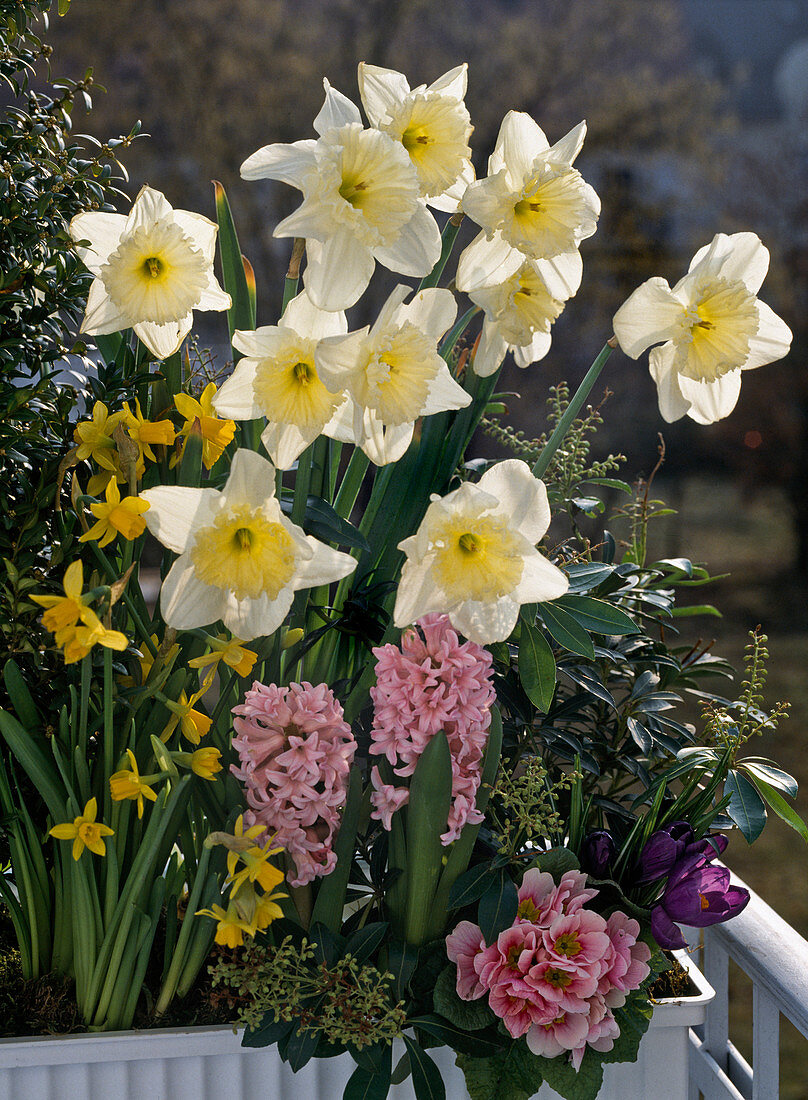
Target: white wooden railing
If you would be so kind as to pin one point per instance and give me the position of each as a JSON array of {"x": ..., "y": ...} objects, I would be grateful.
[{"x": 775, "y": 957}]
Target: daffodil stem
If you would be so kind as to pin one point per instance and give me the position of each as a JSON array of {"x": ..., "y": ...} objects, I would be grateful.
[
  {"x": 181, "y": 948},
  {"x": 450, "y": 231},
  {"x": 292, "y": 279},
  {"x": 571, "y": 411},
  {"x": 109, "y": 569},
  {"x": 109, "y": 732},
  {"x": 80, "y": 735},
  {"x": 351, "y": 483}
]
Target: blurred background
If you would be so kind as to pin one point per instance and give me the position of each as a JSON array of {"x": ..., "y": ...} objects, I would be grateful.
[{"x": 697, "y": 113}]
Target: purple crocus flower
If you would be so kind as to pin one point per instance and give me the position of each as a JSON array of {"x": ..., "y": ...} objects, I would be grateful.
[
  {"x": 662, "y": 850},
  {"x": 696, "y": 894},
  {"x": 597, "y": 852}
]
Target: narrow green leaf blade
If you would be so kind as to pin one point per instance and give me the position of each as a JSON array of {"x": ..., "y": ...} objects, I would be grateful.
[
  {"x": 745, "y": 806},
  {"x": 788, "y": 814},
  {"x": 563, "y": 629},
  {"x": 598, "y": 615},
  {"x": 234, "y": 278},
  {"x": 537, "y": 667},
  {"x": 426, "y": 1079}
]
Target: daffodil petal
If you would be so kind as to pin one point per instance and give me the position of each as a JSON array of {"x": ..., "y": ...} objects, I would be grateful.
[
  {"x": 306, "y": 319},
  {"x": 433, "y": 311},
  {"x": 772, "y": 340},
  {"x": 491, "y": 350},
  {"x": 176, "y": 512},
  {"x": 711, "y": 401},
  {"x": 103, "y": 230},
  {"x": 280, "y": 161},
  {"x": 534, "y": 351},
  {"x": 485, "y": 622},
  {"x": 672, "y": 404},
  {"x": 444, "y": 393},
  {"x": 324, "y": 566},
  {"x": 338, "y": 271},
  {"x": 384, "y": 445},
  {"x": 286, "y": 442},
  {"x": 185, "y": 601},
  {"x": 737, "y": 256},
  {"x": 416, "y": 250},
  {"x": 567, "y": 149},
  {"x": 199, "y": 229},
  {"x": 236, "y": 396},
  {"x": 647, "y": 317},
  {"x": 453, "y": 83},
  {"x": 251, "y": 480},
  {"x": 380, "y": 91},
  {"x": 541, "y": 581},
  {"x": 336, "y": 111},
  {"x": 519, "y": 142},
  {"x": 484, "y": 262},
  {"x": 149, "y": 206},
  {"x": 561, "y": 274},
  {"x": 102, "y": 316},
  {"x": 522, "y": 497},
  {"x": 163, "y": 340}
]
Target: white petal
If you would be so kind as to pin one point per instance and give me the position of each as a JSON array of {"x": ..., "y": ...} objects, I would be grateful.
[
  {"x": 102, "y": 230},
  {"x": 251, "y": 480},
  {"x": 102, "y": 315},
  {"x": 336, "y": 358},
  {"x": 312, "y": 219},
  {"x": 522, "y": 497},
  {"x": 281, "y": 161},
  {"x": 381, "y": 91},
  {"x": 452, "y": 198},
  {"x": 519, "y": 143},
  {"x": 236, "y": 397},
  {"x": 338, "y": 271},
  {"x": 484, "y": 262},
  {"x": 485, "y": 622},
  {"x": 260, "y": 343},
  {"x": 176, "y": 512},
  {"x": 212, "y": 296},
  {"x": 164, "y": 340},
  {"x": 561, "y": 274},
  {"x": 534, "y": 351},
  {"x": 285, "y": 442},
  {"x": 444, "y": 393},
  {"x": 772, "y": 340},
  {"x": 187, "y": 603},
  {"x": 416, "y": 250},
  {"x": 390, "y": 312},
  {"x": 711, "y": 401},
  {"x": 672, "y": 404},
  {"x": 417, "y": 592},
  {"x": 306, "y": 319},
  {"x": 384, "y": 445},
  {"x": 453, "y": 83},
  {"x": 200, "y": 230},
  {"x": 567, "y": 149},
  {"x": 340, "y": 426},
  {"x": 541, "y": 581},
  {"x": 336, "y": 111},
  {"x": 248, "y": 619},
  {"x": 433, "y": 311},
  {"x": 648, "y": 316},
  {"x": 149, "y": 207},
  {"x": 738, "y": 256},
  {"x": 324, "y": 566},
  {"x": 491, "y": 350}
]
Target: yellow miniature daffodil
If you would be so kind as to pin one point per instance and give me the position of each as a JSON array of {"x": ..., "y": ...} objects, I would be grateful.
[
  {"x": 255, "y": 859},
  {"x": 231, "y": 651},
  {"x": 267, "y": 909},
  {"x": 205, "y": 763},
  {"x": 64, "y": 611},
  {"x": 131, "y": 785},
  {"x": 94, "y": 436},
  {"x": 116, "y": 517},
  {"x": 152, "y": 268},
  {"x": 216, "y": 433},
  {"x": 76, "y": 641},
  {"x": 194, "y": 724},
  {"x": 84, "y": 831},
  {"x": 232, "y": 926},
  {"x": 146, "y": 433}
]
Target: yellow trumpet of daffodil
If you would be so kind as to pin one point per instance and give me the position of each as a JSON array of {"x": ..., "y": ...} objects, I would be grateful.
[
  {"x": 84, "y": 831},
  {"x": 74, "y": 624},
  {"x": 232, "y": 925},
  {"x": 116, "y": 517},
  {"x": 131, "y": 785},
  {"x": 146, "y": 433},
  {"x": 205, "y": 762},
  {"x": 216, "y": 433}
]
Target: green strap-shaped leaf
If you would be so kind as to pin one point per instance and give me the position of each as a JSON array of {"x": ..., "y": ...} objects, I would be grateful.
[
  {"x": 20, "y": 697},
  {"x": 427, "y": 816},
  {"x": 234, "y": 277},
  {"x": 537, "y": 667},
  {"x": 28, "y": 749}
]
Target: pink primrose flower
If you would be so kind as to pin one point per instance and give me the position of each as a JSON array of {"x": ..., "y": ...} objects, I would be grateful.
[
  {"x": 541, "y": 901},
  {"x": 628, "y": 962},
  {"x": 463, "y": 947},
  {"x": 603, "y": 1030},
  {"x": 565, "y": 1032}
]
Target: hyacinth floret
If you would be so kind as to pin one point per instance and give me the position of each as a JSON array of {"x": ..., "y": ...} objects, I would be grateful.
[
  {"x": 433, "y": 682},
  {"x": 295, "y": 752}
]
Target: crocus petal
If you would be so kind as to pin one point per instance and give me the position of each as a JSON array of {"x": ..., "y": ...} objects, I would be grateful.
[
  {"x": 647, "y": 317},
  {"x": 485, "y": 262},
  {"x": 281, "y": 161},
  {"x": 337, "y": 272},
  {"x": 711, "y": 401},
  {"x": 665, "y": 932},
  {"x": 772, "y": 341},
  {"x": 176, "y": 512},
  {"x": 102, "y": 230},
  {"x": 336, "y": 111},
  {"x": 522, "y": 497},
  {"x": 672, "y": 404},
  {"x": 416, "y": 250},
  {"x": 186, "y": 602}
]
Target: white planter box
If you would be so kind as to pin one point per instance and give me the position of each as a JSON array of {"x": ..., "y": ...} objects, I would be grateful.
[{"x": 210, "y": 1064}]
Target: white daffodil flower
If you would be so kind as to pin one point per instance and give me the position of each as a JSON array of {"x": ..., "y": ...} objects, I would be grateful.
[
  {"x": 361, "y": 203},
  {"x": 278, "y": 379},
  {"x": 152, "y": 268},
  {"x": 532, "y": 205},
  {"x": 240, "y": 560},
  {"x": 518, "y": 316},
  {"x": 432, "y": 124},
  {"x": 392, "y": 373},
  {"x": 474, "y": 556},
  {"x": 711, "y": 327}
]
